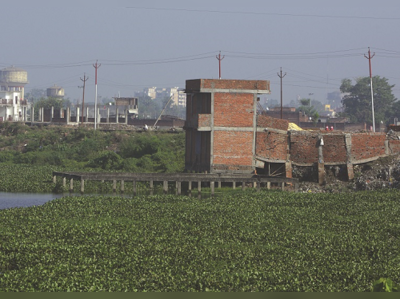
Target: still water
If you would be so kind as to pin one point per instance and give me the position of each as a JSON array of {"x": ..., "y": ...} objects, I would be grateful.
[{"x": 16, "y": 200}]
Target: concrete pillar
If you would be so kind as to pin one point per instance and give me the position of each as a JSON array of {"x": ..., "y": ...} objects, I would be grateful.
[
  {"x": 87, "y": 114},
  {"x": 199, "y": 186},
  {"x": 116, "y": 115},
  {"x": 190, "y": 188},
  {"x": 219, "y": 185},
  {"x": 179, "y": 187},
  {"x": 68, "y": 115},
  {"x": 165, "y": 187},
  {"x": 233, "y": 185},
  {"x": 71, "y": 185},
  {"x": 108, "y": 115},
  {"x": 350, "y": 169},
  {"x": 122, "y": 186},
  {"x": 212, "y": 185},
  {"x": 269, "y": 185},
  {"x": 52, "y": 114},
  {"x": 82, "y": 186},
  {"x": 54, "y": 179},
  {"x": 321, "y": 163},
  {"x": 126, "y": 116},
  {"x": 32, "y": 115},
  {"x": 134, "y": 188},
  {"x": 77, "y": 115},
  {"x": 64, "y": 182},
  {"x": 243, "y": 185},
  {"x": 283, "y": 186},
  {"x": 289, "y": 169}
]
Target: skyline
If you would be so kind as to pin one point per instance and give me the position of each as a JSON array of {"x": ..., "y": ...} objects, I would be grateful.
[{"x": 163, "y": 44}]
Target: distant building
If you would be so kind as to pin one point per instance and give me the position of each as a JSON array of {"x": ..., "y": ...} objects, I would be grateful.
[
  {"x": 13, "y": 106},
  {"x": 55, "y": 92}
]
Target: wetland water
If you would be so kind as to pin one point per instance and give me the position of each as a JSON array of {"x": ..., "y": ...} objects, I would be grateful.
[{"x": 19, "y": 200}]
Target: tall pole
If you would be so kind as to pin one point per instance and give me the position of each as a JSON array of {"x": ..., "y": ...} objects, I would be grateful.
[
  {"x": 219, "y": 60},
  {"x": 96, "y": 66},
  {"x": 369, "y": 57},
  {"x": 281, "y": 76},
  {"x": 83, "y": 96}
]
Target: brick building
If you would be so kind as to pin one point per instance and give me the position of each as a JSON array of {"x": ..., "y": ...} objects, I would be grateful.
[
  {"x": 221, "y": 124},
  {"x": 224, "y": 134}
]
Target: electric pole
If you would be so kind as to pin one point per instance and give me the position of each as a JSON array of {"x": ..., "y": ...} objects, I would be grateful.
[
  {"x": 369, "y": 57},
  {"x": 83, "y": 96},
  {"x": 281, "y": 76},
  {"x": 96, "y": 66},
  {"x": 219, "y": 60}
]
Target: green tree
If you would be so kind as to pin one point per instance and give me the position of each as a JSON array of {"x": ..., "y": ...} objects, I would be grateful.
[
  {"x": 357, "y": 99},
  {"x": 307, "y": 108}
]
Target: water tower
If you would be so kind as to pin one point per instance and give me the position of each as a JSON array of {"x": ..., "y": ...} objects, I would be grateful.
[
  {"x": 55, "y": 92},
  {"x": 13, "y": 79}
]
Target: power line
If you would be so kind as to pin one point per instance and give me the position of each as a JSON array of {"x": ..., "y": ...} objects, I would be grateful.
[{"x": 266, "y": 13}]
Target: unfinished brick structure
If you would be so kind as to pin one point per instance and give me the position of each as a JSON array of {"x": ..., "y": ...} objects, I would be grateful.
[
  {"x": 224, "y": 135},
  {"x": 221, "y": 125}
]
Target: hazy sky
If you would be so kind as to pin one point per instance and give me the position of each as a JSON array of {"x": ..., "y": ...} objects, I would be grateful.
[{"x": 146, "y": 43}]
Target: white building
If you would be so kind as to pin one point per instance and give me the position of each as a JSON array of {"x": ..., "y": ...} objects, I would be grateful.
[{"x": 12, "y": 107}]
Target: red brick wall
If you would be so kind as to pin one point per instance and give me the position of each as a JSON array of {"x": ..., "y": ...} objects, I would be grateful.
[
  {"x": 334, "y": 148},
  {"x": 270, "y": 122},
  {"x": 204, "y": 120},
  {"x": 272, "y": 145},
  {"x": 394, "y": 146},
  {"x": 233, "y": 148},
  {"x": 304, "y": 147},
  {"x": 233, "y": 110},
  {"x": 367, "y": 145}
]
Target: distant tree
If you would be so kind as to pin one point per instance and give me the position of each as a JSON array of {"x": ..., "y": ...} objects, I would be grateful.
[
  {"x": 47, "y": 103},
  {"x": 35, "y": 95},
  {"x": 149, "y": 108},
  {"x": 357, "y": 99},
  {"x": 308, "y": 109}
]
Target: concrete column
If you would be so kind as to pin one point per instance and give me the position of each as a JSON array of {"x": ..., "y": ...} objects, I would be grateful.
[
  {"x": 212, "y": 185},
  {"x": 54, "y": 179},
  {"x": 68, "y": 115},
  {"x": 77, "y": 115},
  {"x": 219, "y": 185},
  {"x": 350, "y": 169},
  {"x": 321, "y": 163},
  {"x": 165, "y": 187},
  {"x": 269, "y": 185},
  {"x": 233, "y": 185},
  {"x": 114, "y": 186},
  {"x": 134, "y": 188},
  {"x": 179, "y": 187},
  {"x": 116, "y": 115},
  {"x": 126, "y": 116},
  {"x": 82, "y": 186},
  {"x": 243, "y": 185},
  {"x": 199, "y": 186},
  {"x": 64, "y": 182},
  {"x": 32, "y": 115},
  {"x": 190, "y": 188},
  {"x": 52, "y": 114},
  {"x": 108, "y": 115},
  {"x": 71, "y": 185},
  {"x": 122, "y": 186},
  {"x": 283, "y": 186},
  {"x": 87, "y": 114}
]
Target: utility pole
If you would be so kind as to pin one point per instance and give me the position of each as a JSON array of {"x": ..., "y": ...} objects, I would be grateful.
[
  {"x": 281, "y": 76},
  {"x": 369, "y": 57},
  {"x": 219, "y": 60},
  {"x": 96, "y": 66},
  {"x": 83, "y": 97}
]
